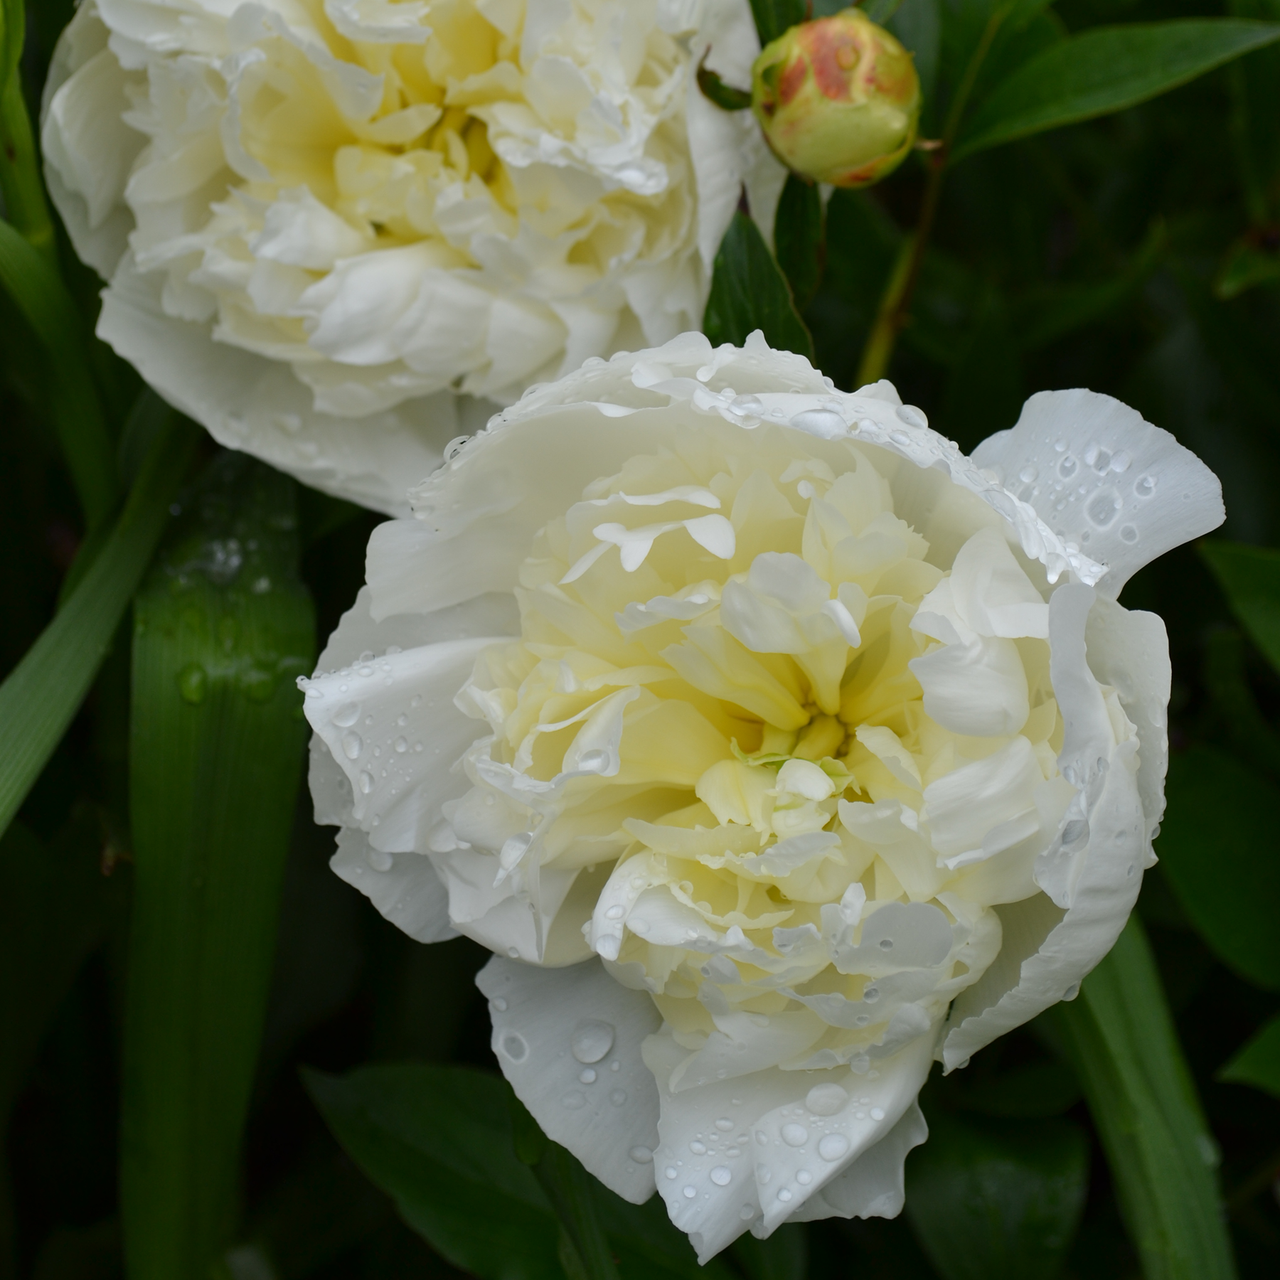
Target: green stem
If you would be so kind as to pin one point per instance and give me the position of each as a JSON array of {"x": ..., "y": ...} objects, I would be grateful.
[
  {"x": 24, "y": 199},
  {"x": 895, "y": 304},
  {"x": 45, "y": 689}
]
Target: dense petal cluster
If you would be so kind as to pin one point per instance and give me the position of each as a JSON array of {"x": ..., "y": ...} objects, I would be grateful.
[
  {"x": 339, "y": 232},
  {"x": 774, "y": 747}
]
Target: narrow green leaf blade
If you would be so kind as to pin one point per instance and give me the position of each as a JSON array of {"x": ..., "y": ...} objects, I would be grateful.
[
  {"x": 749, "y": 292},
  {"x": 44, "y": 691},
  {"x": 773, "y": 17},
  {"x": 438, "y": 1140},
  {"x": 1250, "y": 577},
  {"x": 1222, "y": 814},
  {"x": 1106, "y": 69},
  {"x": 1119, "y": 1035},
  {"x": 798, "y": 236},
  {"x": 998, "y": 1200},
  {"x": 40, "y": 295},
  {"x": 222, "y": 628},
  {"x": 1258, "y": 1063},
  {"x": 783, "y": 1256}
]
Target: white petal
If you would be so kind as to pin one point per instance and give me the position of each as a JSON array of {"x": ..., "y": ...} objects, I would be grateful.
[
  {"x": 978, "y": 689},
  {"x": 568, "y": 1040},
  {"x": 1093, "y": 868},
  {"x": 777, "y": 1151},
  {"x": 392, "y": 726},
  {"x": 246, "y": 401},
  {"x": 873, "y": 1186},
  {"x": 403, "y": 886},
  {"x": 1101, "y": 476}
]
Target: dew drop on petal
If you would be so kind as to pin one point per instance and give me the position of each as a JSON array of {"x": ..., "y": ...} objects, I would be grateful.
[
  {"x": 670, "y": 1171},
  {"x": 833, "y": 1146},
  {"x": 352, "y": 744},
  {"x": 591, "y": 1040},
  {"x": 724, "y": 1124},
  {"x": 721, "y": 1176},
  {"x": 366, "y": 781},
  {"x": 804, "y": 1177},
  {"x": 690, "y": 1192},
  {"x": 641, "y": 1155},
  {"x": 514, "y": 1046},
  {"x": 499, "y": 1004},
  {"x": 346, "y": 715},
  {"x": 825, "y": 1099},
  {"x": 594, "y": 761},
  {"x": 618, "y": 1097},
  {"x": 795, "y": 1135},
  {"x": 877, "y": 1113},
  {"x": 785, "y": 1195},
  {"x": 587, "y": 1075},
  {"x": 698, "y": 1148}
]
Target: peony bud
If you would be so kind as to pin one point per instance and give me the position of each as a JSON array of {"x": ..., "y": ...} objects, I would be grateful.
[{"x": 838, "y": 99}]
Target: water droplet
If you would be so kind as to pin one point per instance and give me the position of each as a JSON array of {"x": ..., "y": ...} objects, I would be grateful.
[
  {"x": 912, "y": 416},
  {"x": 499, "y": 1004},
  {"x": 746, "y": 1213},
  {"x": 886, "y": 944},
  {"x": 804, "y": 1177},
  {"x": 698, "y": 1148},
  {"x": 690, "y": 1192},
  {"x": 594, "y": 761},
  {"x": 860, "y": 1064},
  {"x": 454, "y": 447},
  {"x": 721, "y": 1176},
  {"x": 591, "y": 1040},
  {"x": 1129, "y": 533},
  {"x": 193, "y": 683},
  {"x": 724, "y": 1124},
  {"x": 876, "y": 1113},
  {"x": 618, "y": 1097},
  {"x": 785, "y": 1195},
  {"x": 352, "y": 744},
  {"x": 1028, "y": 474},
  {"x": 514, "y": 1046},
  {"x": 641, "y": 1155},
  {"x": 346, "y": 715},
  {"x": 574, "y": 1100},
  {"x": 366, "y": 781},
  {"x": 615, "y": 912},
  {"x": 870, "y": 995},
  {"x": 670, "y": 1171},
  {"x": 401, "y": 745},
  {"x": 748, "y": 404},
  {"x": 795, "y": 1135},
  {"x": 826, "y": 424},
  {"x": 1102, "y": 509},
  {"x": 1144, "y": 486},
  {"x": 587, "y": 1075},
  {"x": 380, "y": 860},
  {"x": 513, "y": 952},
  {"x": 900, "y": 438},
  {"x": 1076, "y": 832},
  {"x": 825, "y": 1099},
  {"x": 1067, "y": 466},
  {"x": 832, "y": 1146},
  {"x": 1072, "y": 991}
]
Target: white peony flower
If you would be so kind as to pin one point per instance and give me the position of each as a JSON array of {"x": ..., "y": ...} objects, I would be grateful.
[
  {"x": 340, "y": 232},
  {"x": 776, "y": 749}
]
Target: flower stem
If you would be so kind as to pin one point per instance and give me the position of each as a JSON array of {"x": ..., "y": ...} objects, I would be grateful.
[
  {"x": 895, "y": 304},
  {"x": 24, "y": 201}
]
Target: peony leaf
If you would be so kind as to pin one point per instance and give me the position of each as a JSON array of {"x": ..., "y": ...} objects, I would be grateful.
[
  {"x": 773, "y": 17},
  {"x": 222, "y": 629},
  {"x": 45, "y": 689},
  {"x": 1258, "y": 1063},
  {"x": 442, "y": 1142},
  {"x": 1250, "y": 577},
  {"x": 997, "y": 1200},
  {"x": 798, "y": 238},
  {"x": 40, "y": 295},
  {"x": 1103, "y": 70},
  {"x": 1222, "y": 813},
  {"x": 749, "y": 292},
  {"x": 1119, "y": 1035}
]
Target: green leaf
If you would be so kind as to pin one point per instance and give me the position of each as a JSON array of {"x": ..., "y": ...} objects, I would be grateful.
[
  {"x": 1258, "y": 1063},
  {"x": 222, "y": 629},
  {"x": 1120, "y": 1038},
  {"x": 1033, "y": 1091},
  {"x": 749, "y": 292},
  {"x": 45, "y": 689},
  {"x": 1250, "y": 577},
  {"x": 773, "y": 17},
  {"x": 997, "y": 1201},
  {"x": 438, "y": 1140},
  {"x": 798, "y": 238},
  {"x": 725, "y": 96},
  {"x": 1216, "y": 849},
  {"x": 42, "y": 298},
  {"x": 1103, "y": 70}
]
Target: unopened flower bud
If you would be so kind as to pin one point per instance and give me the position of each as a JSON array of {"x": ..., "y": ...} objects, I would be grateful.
[{"x": 838, "y": 99}]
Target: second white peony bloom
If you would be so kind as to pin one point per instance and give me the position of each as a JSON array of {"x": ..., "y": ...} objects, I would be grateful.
[
  {"x": 340, "y": 232},
  {"x": 775, "y": 748}
]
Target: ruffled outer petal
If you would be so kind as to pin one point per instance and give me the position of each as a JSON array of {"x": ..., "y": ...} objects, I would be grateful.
[
  {"x": 1102, "y": 477},
  {"x": 751, "y": 1151},
  {"x": 403, "y": 886},
  {"x": 568, "y": 1040}
]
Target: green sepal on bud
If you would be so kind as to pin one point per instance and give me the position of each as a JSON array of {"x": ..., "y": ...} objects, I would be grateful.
[{"x": 838, "y": 99}]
